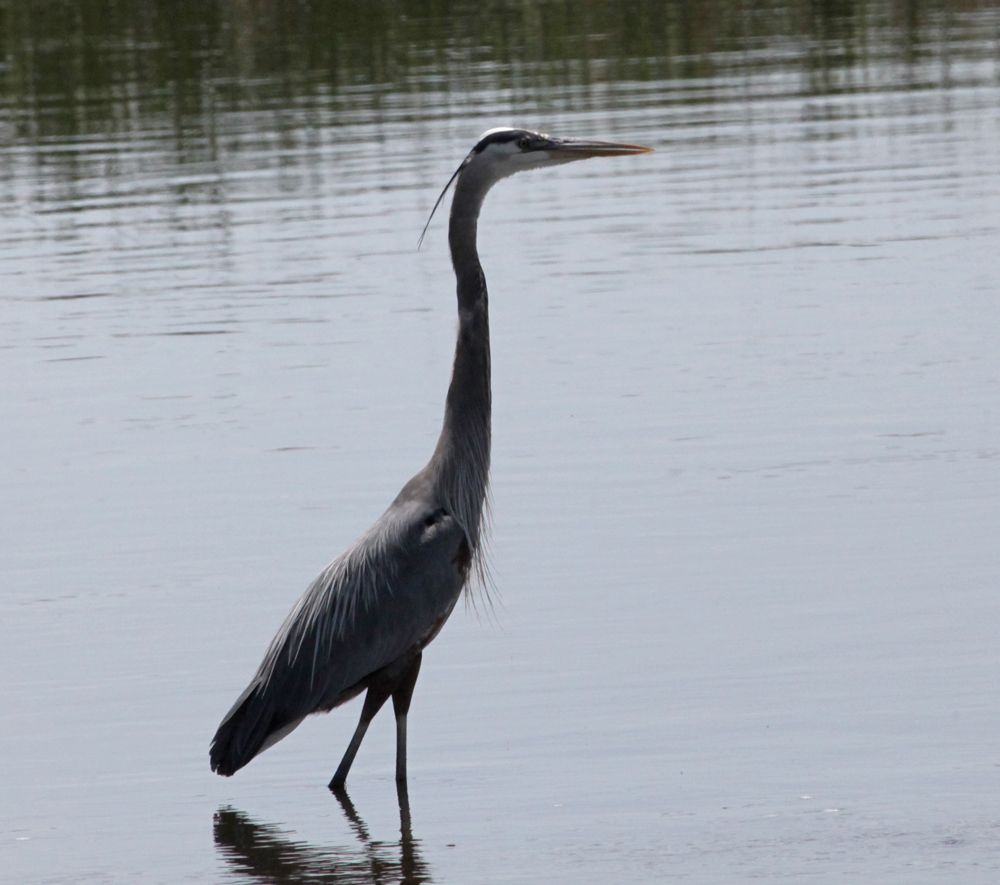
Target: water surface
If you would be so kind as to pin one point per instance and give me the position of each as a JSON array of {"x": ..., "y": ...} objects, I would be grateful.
[{"x": 745, "y": 454}]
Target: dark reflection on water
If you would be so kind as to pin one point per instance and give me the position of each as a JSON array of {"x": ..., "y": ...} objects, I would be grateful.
[
  {"x": 94, "y": 72},
  {"x": 262, "y": 853}
]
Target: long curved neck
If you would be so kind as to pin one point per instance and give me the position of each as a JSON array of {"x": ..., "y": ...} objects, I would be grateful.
[{"x": 461, "y": 461}]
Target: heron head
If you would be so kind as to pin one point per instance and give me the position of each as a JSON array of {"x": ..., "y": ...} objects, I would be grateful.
[{"x": 503, "y": 151}]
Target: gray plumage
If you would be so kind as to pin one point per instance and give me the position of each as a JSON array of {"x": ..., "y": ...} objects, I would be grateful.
[{"x": 364, "y": 622}]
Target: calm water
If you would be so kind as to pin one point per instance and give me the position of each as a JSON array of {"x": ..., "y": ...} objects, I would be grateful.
[{"x": 746, "y": 456}]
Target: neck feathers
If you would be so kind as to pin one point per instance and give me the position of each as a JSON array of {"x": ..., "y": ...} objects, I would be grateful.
[{"x": 461, "y": 463}]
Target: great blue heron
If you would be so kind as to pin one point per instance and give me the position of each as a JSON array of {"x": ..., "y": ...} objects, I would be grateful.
[{"x": 364, "y": 622}]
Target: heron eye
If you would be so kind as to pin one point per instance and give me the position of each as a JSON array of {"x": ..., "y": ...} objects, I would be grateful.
[{"x": 524, "y": 143}]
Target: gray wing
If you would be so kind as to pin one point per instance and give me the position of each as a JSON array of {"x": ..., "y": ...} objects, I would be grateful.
[{"x": 389, "y": 593}]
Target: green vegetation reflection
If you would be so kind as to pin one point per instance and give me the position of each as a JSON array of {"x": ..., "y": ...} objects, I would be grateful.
[{"x": 84, "y": 67}]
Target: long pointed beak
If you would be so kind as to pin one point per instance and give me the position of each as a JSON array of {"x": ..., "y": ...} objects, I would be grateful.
[{"x": 582, "y": 148}]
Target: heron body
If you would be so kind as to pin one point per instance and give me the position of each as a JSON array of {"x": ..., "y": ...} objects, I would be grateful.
[{"x": 364, "y": 622}]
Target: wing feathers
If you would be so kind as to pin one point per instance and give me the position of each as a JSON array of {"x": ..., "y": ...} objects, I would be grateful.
[{"x": 381, "y": 598}]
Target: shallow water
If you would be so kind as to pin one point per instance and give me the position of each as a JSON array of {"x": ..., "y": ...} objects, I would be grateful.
[{"x": 745, "y": 450}]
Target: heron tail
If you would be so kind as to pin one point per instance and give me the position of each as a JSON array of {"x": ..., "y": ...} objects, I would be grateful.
[{"x": 249, "y": 728}]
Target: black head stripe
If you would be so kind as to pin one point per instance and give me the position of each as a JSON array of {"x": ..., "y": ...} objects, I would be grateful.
[{"x": 503, "y": 137}]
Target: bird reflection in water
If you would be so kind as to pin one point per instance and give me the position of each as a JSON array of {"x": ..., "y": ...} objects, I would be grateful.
[{"x": 262, "y": 853}]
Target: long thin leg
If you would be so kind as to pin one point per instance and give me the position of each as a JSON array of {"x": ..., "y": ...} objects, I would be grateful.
[
  {"x": 405, "y": 824},
  {"x": 378, "y": 694},
  {"x": 401, "y": 706}
]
